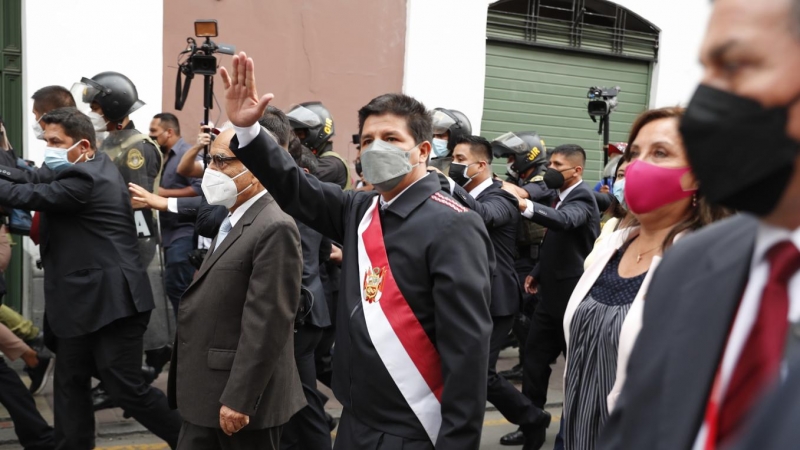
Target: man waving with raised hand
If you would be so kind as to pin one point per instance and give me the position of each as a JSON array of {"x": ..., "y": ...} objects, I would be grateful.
[{"x": 412, "y": 349}]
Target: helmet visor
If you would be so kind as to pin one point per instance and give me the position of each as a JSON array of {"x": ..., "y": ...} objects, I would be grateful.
[
  {"x": 302, "y": 117},
  {"x": 442, "y": 122},
  {"x": 85, "y": 92},
  {"x": 512, "y": 142}
]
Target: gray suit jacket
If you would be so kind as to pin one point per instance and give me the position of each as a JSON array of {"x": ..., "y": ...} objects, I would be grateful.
[{"x": 234, "y": 345}]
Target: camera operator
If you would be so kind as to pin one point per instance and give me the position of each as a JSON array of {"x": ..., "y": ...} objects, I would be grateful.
[
  {"x": 89, "y": 253},
  {"x": 449, "y": 126}
]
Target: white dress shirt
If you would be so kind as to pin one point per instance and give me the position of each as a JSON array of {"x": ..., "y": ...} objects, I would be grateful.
[
  {"x": 766, "y": 237},
  {"x": 481, "y": 187},
  {"x": 528, "y": 213}
]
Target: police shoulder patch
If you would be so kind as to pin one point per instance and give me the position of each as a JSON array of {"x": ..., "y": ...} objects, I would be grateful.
[
  {"x": 537, "y": 178},
  {"x": 135, "y": 159},
  {"x": 447, "y": 201}
]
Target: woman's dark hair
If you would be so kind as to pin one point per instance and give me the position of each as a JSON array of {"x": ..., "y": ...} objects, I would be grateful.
[{"x": 701, "y": 213}]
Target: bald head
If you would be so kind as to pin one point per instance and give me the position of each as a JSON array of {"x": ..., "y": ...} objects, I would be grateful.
[{"x": 222, "y": 144}]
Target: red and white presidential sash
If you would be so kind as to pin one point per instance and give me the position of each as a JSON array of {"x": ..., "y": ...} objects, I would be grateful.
[{"x": 401, "y": 342}]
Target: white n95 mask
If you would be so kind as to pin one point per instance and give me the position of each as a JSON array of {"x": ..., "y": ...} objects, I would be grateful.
[{"x": 220, "y": 189}]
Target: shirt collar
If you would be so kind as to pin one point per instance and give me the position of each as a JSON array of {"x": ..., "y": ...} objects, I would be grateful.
[
  {"x": 385, "y": 204},
  {"x": 236, "y": 215},
  {"x": 481, "y": 187},
  {"x": 563, "y": 195},
  {"x": 767, "y": 236}
]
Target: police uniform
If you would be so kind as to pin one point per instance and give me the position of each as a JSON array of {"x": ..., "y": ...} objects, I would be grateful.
[{"x": 445, "y": 279}]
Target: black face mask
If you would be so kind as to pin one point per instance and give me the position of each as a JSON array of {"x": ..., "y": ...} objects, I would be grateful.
[
  {"x": 358, "y": 167},
  {"x": 722, "y": 132},
  {"x": 554, "y": 179},
  {"x": 458, "y": 173}
]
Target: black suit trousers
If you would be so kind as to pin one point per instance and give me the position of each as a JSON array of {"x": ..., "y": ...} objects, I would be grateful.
[
  {"x": 31, "y": 429},
  {"x": 195, "y": 437},
  {"x": 511, "y": 403},
  {"x": 115, "y": 353},
  {"x": 353, "y": 434},
  {"x": 545, "y": 343},
  {"x": 308, "y": 428}
]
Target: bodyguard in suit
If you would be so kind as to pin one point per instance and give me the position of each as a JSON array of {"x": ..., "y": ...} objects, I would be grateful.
[
  {"x": 233, "y": 376},
  {"x": 97, "y": 295},
  {"x": 573, "y": 223},
  {"x": 723, "y": 302},
  {"x": 413, "y": 321},
  {"x": 471, "y": 177}
]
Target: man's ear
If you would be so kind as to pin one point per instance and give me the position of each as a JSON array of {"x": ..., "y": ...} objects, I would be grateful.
[
  {"x": 305, "y": 170},
  {"x": 424, "y": 151}
]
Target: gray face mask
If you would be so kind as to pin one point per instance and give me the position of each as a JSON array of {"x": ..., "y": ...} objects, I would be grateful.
[{"x": 384, "y": 165}]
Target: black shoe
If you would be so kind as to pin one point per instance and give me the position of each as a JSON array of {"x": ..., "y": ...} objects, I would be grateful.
[
  {"x": 37, "y": 343},
  {"x": 332, "y": 423},
  {"x": 149, "y": 374},
  {"x": 536, "y": 434},
  {"x": 158, "y": 358},
  {"x": 101, "y": 399},
  {"x": 513, "y": 438},
  {"x": 39, "y": 374},
  {"x": 512, "y": 374}
]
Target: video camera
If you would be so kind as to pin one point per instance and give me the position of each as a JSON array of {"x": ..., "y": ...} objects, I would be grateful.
[
  {"x": 201, "y": 60},
  {"x": 602, "y": 100}
]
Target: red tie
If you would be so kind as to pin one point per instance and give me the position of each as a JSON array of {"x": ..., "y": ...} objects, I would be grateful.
[{"x": 760, "y": 360}]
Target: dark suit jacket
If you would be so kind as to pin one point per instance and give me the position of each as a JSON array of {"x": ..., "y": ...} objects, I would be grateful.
[
  {"x": 444, "y": 275},
  {"x": 571, "y": 232},
  {"x": 500, "y": 214},
  {"x": 92, "y": 271},
  {"x": 234, "y": 345},
  {"x": 691, "y": 304},
  {"x": 311, "y": 241}
]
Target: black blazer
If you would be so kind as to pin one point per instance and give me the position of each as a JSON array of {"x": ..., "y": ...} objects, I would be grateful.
[
  {"x": 571, "y": 232},
  {"x": 92, "y": 271},
  {"x": 444, "y": 275},
  {"x": 691, "y": 304},
  {"x": 500, "y": 214},
  {"x": 311, "y": 242}
]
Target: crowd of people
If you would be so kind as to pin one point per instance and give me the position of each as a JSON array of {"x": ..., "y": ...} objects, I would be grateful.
[{"x": 398, "y": 278}]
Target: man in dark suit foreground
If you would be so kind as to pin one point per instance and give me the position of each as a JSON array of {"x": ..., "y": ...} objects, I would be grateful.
[
  {"x": 473, "y": 184},
  {"x": 413, "y": 325},
  {"x": 723, "y": 303},
  {"x": 233, "y": 376},
  {"x": 97, "y": 295},
  {"x": 573, "y": 223}
]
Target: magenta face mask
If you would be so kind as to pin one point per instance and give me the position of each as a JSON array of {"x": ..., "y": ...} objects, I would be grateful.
[{"x": 649, "y": 187}]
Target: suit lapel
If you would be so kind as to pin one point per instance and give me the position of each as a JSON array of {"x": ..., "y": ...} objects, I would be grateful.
[
  {"x": 235, "y": 233},
  {"x": 708, "y": 303}
]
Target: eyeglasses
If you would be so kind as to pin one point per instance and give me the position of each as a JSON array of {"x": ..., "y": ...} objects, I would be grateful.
[{"x": 219, "y": 161}]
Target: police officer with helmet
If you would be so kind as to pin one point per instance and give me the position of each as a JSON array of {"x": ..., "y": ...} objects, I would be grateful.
[
  {"x": 313, "y": 125},
  {"x": 449, "y": 125},
  {"x": 110, "y": 98}
]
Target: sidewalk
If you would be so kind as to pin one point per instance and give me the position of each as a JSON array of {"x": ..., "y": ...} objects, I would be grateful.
[{"x": 110, "y": 422}]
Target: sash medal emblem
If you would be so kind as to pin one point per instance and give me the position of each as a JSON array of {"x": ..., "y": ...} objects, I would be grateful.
[{"x": 373, "y": 283}]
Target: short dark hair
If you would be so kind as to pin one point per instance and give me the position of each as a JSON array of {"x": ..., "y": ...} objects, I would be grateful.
[
  {"x": 418, "y": 119},
  {"x": 275, "y": 121},
  {"x": 570, "y": 150},
  {"x": 53, "y": 97},
  {"x": 295, "y": 147},
  {"x": 168, "y": 120},
  {"x": 75, "y": 124},
  {"x": 478, "y": 145},
  {"x": 307, "y": 160}
]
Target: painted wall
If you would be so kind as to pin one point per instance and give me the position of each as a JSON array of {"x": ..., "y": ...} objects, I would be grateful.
[
  {"x": 683, "y": 24},
  {"x": 450, "y": 72},
  {"x": 343, "y": 53},
  {"x": 64, "y": 41},
  {"x": 445, "y": 61}
]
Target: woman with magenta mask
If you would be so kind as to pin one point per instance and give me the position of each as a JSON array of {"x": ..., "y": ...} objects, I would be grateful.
[{"x": 604, "y": 314}]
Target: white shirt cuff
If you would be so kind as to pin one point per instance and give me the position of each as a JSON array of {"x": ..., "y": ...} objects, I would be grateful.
[
  {"x": 528, "y": 213},
  {"x": 247, "y": 135},
  {"x": 172, "y": 205},
  {"x": 452, "y": 185}
]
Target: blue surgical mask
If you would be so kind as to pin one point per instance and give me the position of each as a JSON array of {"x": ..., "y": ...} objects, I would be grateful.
[
  {"x": 619, "y": 191},
  {"x": 56, "y": 158},
  {"x": 440, "y": 147}
]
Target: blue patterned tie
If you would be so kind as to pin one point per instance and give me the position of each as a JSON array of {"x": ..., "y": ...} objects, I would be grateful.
[{"x": 224, "y": 229}]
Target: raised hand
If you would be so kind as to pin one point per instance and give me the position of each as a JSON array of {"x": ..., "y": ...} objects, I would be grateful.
[{"x": 242, "y": 103}]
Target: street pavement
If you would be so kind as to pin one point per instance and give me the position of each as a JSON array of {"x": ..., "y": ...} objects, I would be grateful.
[{"x": 117, "y": 433}]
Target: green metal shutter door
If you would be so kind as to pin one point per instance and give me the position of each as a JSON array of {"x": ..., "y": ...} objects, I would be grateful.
[{"x": 537, "y": 89}]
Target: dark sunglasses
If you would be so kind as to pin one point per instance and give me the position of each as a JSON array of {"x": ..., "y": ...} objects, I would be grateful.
[{"x": 219, "y": 160}]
